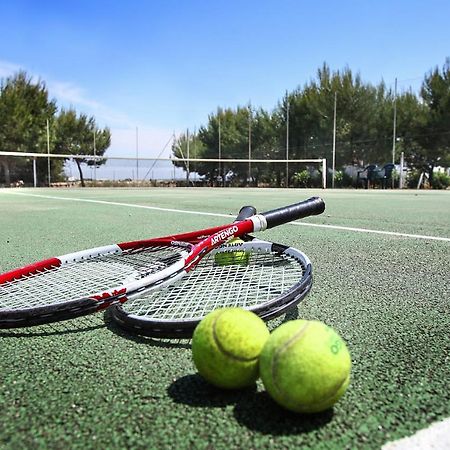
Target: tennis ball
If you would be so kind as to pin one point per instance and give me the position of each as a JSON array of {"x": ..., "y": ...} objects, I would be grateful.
[
  {"x": 305, "y": 366},
  {"x": 226, "y": 345},
  {"x": 226, "y": 256}
]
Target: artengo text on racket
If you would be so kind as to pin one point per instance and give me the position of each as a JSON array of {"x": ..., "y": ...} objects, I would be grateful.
[{"x": 224, "y": 234}]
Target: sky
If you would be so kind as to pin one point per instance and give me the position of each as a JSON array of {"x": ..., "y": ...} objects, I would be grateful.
[{"x": 163, "y": 66}]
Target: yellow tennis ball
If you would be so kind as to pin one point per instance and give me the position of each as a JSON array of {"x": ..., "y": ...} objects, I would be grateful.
[
  {"x": 226, "y": 345},
  {"x": 305, "y": 366},
  {"x": 226, "y": 256}
]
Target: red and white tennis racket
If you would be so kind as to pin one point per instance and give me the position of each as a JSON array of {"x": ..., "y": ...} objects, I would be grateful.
[
  {"x": 267, "y": 278},
  {"x": 88, "y": 281}
]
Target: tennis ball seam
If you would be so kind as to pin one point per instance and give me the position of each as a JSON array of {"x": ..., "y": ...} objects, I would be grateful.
[
  {"x": 327, "y": 399},
  {"x": 222, "y": 349},
  {"x": 318, "y": 405},
  {"x": 278, "y": 354},
  {"x": 274, "y": 362}
]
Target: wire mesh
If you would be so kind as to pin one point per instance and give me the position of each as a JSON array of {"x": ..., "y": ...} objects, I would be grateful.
[{"x": 262, "y": 279}]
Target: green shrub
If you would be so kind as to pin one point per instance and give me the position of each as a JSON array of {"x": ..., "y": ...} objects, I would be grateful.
[
  {"x": 440, "y": 180},
  {"x": 338, "y": 177},
  {"x": 302, "y": 178},
  {"x": 412, "y": 179}
]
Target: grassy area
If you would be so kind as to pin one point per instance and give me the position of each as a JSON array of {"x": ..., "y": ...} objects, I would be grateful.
[{"x": 86, "y": 384}]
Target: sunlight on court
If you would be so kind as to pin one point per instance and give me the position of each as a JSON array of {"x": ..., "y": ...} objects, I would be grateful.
[{"x": 380, "y": 265}]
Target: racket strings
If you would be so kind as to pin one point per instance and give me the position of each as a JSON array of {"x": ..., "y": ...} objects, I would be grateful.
[
  {"x": 85, "y": 277},
  {"x": 147, "y": 261},
  {"x": 265, "y": 278}
]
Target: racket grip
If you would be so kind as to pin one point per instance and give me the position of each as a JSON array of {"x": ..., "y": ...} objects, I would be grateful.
[{"x": 311, "y": 207}]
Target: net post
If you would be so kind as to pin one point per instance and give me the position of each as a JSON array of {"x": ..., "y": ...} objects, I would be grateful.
[
  {"x": 34, "y": 173},
  {"x": 48, "y": 153},
  {"x": 402, "y": 164},
  {"x": 188, "y": 170},
  {"x": 324, "y": 173}
]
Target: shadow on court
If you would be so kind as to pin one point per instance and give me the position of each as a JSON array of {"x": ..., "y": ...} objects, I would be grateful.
[
  {"x": 78, "y": 325},
  {"x": 170, "y": 342},
  {"x": 254, "y": 410},
  {"x": 140, "y": 339},
  {"x": 260, "y": 413},
  {"x": 193, "y": 390}
]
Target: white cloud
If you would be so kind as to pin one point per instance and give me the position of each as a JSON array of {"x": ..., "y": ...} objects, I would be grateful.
[
  {"x": 70, "y": 93},
  {"x": 7, "y": 69},
  {"x": 123, "y": 128}
]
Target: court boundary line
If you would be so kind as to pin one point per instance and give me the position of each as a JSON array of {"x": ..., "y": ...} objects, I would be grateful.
[{"x": 204, "y": 213}]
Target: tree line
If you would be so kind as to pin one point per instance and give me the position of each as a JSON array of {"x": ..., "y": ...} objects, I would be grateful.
[
  {"x": 303, "y": 122},
  {"x": 31, "y": 122}
]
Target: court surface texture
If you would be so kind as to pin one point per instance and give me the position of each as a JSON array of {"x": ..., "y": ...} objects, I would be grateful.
[{"x": 381, "y": 262}]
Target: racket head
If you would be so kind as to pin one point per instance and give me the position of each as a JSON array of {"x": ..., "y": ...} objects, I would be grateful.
[
  {"x": 74, "y": 285},
  {"x": 80, "y": 283},
  {"x": 88, "y": 281},
  {"x": 275, "y": 279}
]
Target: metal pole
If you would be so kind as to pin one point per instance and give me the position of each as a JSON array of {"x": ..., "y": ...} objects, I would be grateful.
[
  {"x": 137, "y": 155},
  {"x": 402, "y": 164},
  {"x": 48, "y": 153},
  {"x": 287, "y": 140},
  {"x": 334, "y": 141},
  {"x": 220, "y": 153},
  {"x": 394, "y": 133},
  {"x": 174, "y": 167},
  {"x": 194, "y": 143},
  {"x": 95, "y": 160},
  {"x": 187, "y": 165},
  {"x": 34, "y": 173},
  {"x": 394, "y": 137},
  {"x": 249, "y": 144}
]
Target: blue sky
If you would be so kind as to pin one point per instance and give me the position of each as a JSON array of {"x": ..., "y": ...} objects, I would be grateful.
[{"x": 163, "y": 66}]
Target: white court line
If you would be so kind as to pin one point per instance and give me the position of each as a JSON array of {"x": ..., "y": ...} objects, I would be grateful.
[
  {"x": 366, "y": 230},
  {"x": 202, "y": 213},
  {"x": 129, "y": 205},
  {"x": 435, "y": 437}
]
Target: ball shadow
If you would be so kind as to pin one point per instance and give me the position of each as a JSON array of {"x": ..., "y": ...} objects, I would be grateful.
[
  {"x": 193, "y": 390},
  {"x": 292, "y": 314},
  {"x": 260, "y": 413}
]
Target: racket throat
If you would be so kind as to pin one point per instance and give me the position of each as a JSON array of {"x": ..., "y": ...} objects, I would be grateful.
[{"x": 259, "y": 222}]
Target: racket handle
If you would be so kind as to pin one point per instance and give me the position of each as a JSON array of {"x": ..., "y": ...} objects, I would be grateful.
[
  {"x": 311, "y": 207},
  {"x": 245, "y": 212}
]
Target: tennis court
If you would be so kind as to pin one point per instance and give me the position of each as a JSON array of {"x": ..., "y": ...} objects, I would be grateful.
[{"x": 381, "y": 264}]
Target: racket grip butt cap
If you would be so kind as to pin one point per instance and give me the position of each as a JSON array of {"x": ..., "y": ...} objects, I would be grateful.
[{"x": 311, "y": 207}]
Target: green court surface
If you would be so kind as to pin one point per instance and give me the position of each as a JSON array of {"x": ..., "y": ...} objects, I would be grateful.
[{"x": 86, "y": 384}]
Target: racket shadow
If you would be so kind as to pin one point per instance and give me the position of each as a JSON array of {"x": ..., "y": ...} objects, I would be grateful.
[
  {"x": 95, "y": 322},
  {"x": 78, "y": 325},
  {"x": 112, "y": 326},
  {"x": 291, "y": 314}
]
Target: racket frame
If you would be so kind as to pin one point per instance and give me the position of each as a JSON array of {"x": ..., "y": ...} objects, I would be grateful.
[
  {"x": 194, "y": 246},
  {"x": 183, "y": 328}
]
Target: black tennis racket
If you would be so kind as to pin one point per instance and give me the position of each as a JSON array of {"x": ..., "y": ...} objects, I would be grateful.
[
  {"x": 85, "y": 282},
  {"x": 273, "y": 279}
]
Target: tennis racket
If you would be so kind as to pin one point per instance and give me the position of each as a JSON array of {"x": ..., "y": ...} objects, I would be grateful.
[
  {"x": 91, "y": 280},
  {"x": 274, "y": 279}
]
